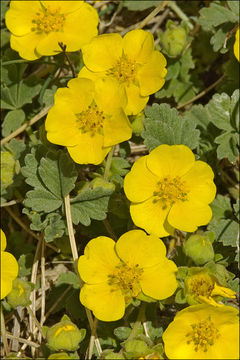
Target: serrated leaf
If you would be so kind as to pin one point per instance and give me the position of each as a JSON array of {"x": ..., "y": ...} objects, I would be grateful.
[
  {"x": 228, "y": 146},
  {"x": 215, "y": 15},
  {"x": 221, "y": 207},
  {"x": 234, "y": 6},
  {"x": 90, "y": 204},
  {"x": 55, "y": 228},
  {"x": 29, "y": 171},
  {"x": 12, "y": 121},
  {"x": 42, "y": 200},
  {"x": 69, "y": 278},
  {"x": 16, "y": 147},
  {"x": 164, "y": 126},
  {"x": 58, "y": 173},
  {"x": 226, "y": 231}
]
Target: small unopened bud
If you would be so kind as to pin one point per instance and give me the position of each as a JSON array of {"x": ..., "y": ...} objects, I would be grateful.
[
  {"x": 20, "y": 293},
  {"x": 174, "y": 40},
  {"x": 199, "y": 249}
]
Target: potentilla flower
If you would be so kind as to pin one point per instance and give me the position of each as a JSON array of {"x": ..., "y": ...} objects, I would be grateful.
[
  {"x": 88, "y": 118},
  {"x": 170, "y": 190},
  {"x": 38, "y": 27},
  {"x": 203, "y": 332},
  {"x": 203, "y": 287},
  {"x": 114, "y": 273},
  {"x": 236, "y": 45},
  {"x": 131, "y": 60},
  {"x": 9, "y": 268}
]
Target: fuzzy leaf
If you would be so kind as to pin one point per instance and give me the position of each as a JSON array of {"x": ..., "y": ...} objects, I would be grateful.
[
  {"x": 215, "y": 15},
  {"x": 12, "y": 121},
  {"x": 163, "y": 125},
  {"x": 90, "y": 204},
  {"x": 136, "y": 5},
  {"x": 42, "y": 200}
]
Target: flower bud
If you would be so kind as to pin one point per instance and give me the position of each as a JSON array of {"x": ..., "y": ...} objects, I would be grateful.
[
  {"x": 65, "y": 336},
  {"x": 62, "y": 355},
  {"x": 100, "y": 182},
  {"x": 199, "y": 249},
  {"x": 174, "y": 40},
  {"x": 20, "y": 293}
]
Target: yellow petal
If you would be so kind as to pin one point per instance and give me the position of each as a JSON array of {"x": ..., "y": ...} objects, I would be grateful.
[
  {"x": 63, "y": 7},
  {"x": 136, "y": 103},
  {"x": 116, "y": 128},
  {"x": 109, "y": 95},
  {"x": 236, "y": 46},
  {"x": 151, "y": 75},
  {"x": 61, "y": 126},
  {"x": 106, "y": 304},
  {"x": 229, "y": 346},
  {"x": 140, "y": 183},
  {"x": 151, "y": 216},
  {"x": 223, "y": 291},
  {"x": 26, "y": 45},
  {"x": 9, "y": 271},
  {"x": 207, "y": 300},
  {"x": 49, "y": 44},
  {"x": 159, "y": 281},
  {"x": 20, "y": 15},
  {"x": 136, "y": 247},
  {"x": 85, "y": 73},
  {"x": 138, "y": 45},
  {"x": 199, "y": 181},
  {"x": 99, "y": 260},
  {"x": 89, "y": 149},
  {"x": 3, "y": 241},
  {"x": 106, "y": 48},
  {"x": 170, "y": 160},
  {"x": 188, "y": 215},
  {"x": 80, "y": 27}
]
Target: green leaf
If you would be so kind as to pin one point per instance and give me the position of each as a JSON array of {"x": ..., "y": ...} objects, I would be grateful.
[
  {"x": 69, "y": 278},
  {"x": 12, "y": 121},
  {"x": 221, "y": 207},
  {"x": 215, "y": 15},
  {"x": 55, "y": 228},
  {"x": 122, "y": 332},
  {"x": 42, "y": 200},
  {"x": 90, "y": 204},
  {"x": 163, "y": 125},
  {"x": 7, "y": 168},
  {"x": 226, "y": 231},
  {"x": 228, "y": 146},
  {"x": 219, "y": 38},
  {"x": 16, "y": 147},
  {"x": 139, "y": 5},
  {"x": 57, "y": 171},
  {"x": 234, "y": 6},
  {"x": 25, "y": 263}
]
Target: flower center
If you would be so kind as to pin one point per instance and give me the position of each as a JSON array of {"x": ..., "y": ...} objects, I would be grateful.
[
  {"x": 203, "y": 335},
  {"x": 91, "y": 120},
  {"x": 127, "y": 279},
  {"x": 200, "y": 285},
  {"x": 47, "y": 20},
  {"x": 124, "y": 70},
  {"x": 170, "y": 190}
]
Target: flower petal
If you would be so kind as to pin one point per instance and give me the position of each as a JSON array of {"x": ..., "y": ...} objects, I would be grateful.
[
  {"x": 136, "y": 102},
  {"x": 138, "y": 45},
  {"x": 170, "y": 160},
  {"x": 9, "y": 271},
  {"x": 151, "y": 75},
  {"x": 159, "y": 281},
  {"x": 88, "y": 74},
  {"x": 99, "y": 260},
  {"x": 199, "y": 181},
  {"x": 136, "y": 247},
  {"x": 106, "y": 48},
  {"x": 116, "y": 128},
  {"x": 188, "y": 215},
  {"x": 151, "y": 216},
  {"x": 26, "y": 45},
  {"x": 3, "y": 241},
  {"x": 140, "y": 183},
  {"x": 64, "y": 7},
  {"x": 89, "y": 150},
  {"x": 109, "y": 95},
  {"x": 77, "y": 31},
  {"x": 49, "y": 44},
  {"x": 106, "y": 304}
]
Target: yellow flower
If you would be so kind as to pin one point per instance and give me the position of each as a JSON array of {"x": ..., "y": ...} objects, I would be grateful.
[
  {"x": 201, "y": 287},
  {"x": 169, "y": 189},
  {"x": 38, "y": 27},
  {"x": 203, "y": 332},
  {"x": 114, "y": 273},
  {"x": 236, "y": 45},
  {"x": 88, "y": 118},
  {"x": 131, "y": 60},
  {"x": 9, "y": 268}
]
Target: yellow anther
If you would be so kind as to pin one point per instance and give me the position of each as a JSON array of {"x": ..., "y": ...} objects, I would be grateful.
[
  {"x": 91, "y": 120},
  {"x": 170, "y": 190},
  {"x": 47, "y": 20},
  {"x": 203, "y": 335},
  {"x": 124, "y": 70}
]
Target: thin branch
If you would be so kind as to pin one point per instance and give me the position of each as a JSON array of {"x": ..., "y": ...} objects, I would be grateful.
[
  {"x": 147, "y": 19},
  {"x": 22, "y": 128},
  {"x": 180, "y": 13},
  {"x": 109, "y": 229},
  {"x": 24, "y": 341},
  {"x": 10, "y": 203},
  {"x": 4, "y": 334},
  {"x": 204, "y": 92},
  {"x": 63, "y": 47}
]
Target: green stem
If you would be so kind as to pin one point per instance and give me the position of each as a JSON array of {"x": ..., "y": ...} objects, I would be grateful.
[
  {"x": 180, "y": 13},
  {"x": 108, "y": 164},
  {"x": 140, "y": 319}
]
